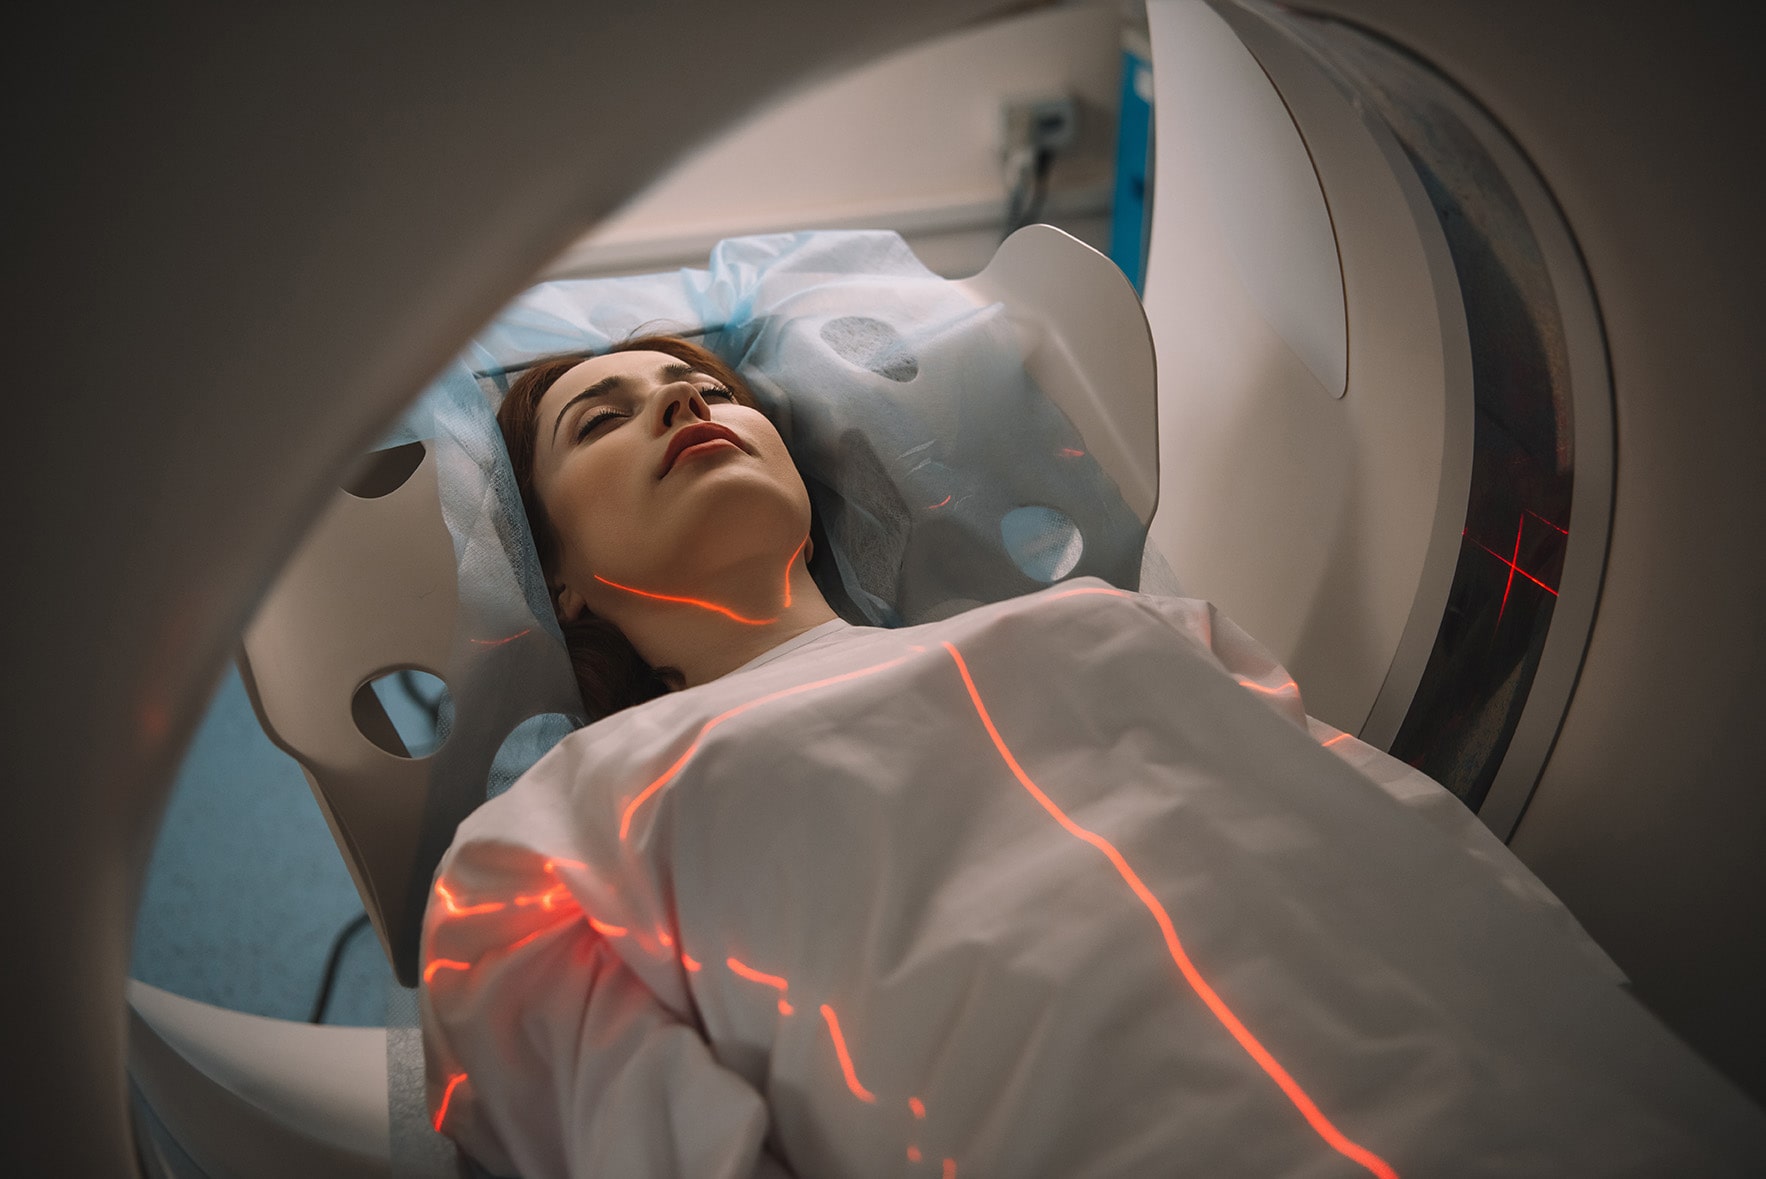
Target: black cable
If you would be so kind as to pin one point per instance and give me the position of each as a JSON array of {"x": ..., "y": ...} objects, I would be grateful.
[
  {"x": 1017, "y": 218},
  {"x": 331, "y": 961}
]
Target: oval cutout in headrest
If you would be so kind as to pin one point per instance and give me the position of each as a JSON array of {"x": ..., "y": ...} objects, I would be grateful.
[{"x": 383, "y": 472}]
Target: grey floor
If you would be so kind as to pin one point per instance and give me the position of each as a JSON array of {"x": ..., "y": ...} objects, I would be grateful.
[{"x": 246, "y": 890}]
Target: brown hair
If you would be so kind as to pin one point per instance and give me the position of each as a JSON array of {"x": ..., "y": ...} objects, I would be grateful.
[{"x": 610, "y": 673}]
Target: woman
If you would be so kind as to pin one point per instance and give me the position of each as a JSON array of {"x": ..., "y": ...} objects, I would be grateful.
[{"x": 1065, "y": 885}]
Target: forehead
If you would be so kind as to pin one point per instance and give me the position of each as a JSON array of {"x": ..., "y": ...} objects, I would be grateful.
[{"x": 616, "y": 366}]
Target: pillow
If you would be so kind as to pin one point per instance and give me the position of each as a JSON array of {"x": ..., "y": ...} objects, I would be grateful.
[{"x": 941, "y": 477}]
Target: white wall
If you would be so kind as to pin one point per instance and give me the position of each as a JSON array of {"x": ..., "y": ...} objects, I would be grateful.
[{"x": 910, "y": 142}]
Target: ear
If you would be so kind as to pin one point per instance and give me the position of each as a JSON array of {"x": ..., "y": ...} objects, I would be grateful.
[{"x": 567, "y": 604}]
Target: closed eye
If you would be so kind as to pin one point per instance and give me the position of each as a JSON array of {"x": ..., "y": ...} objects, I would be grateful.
[{"x": 588, "y": 424}]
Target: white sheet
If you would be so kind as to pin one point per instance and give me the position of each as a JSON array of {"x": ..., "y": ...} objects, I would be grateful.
[{"x": 1135, "y": 920}]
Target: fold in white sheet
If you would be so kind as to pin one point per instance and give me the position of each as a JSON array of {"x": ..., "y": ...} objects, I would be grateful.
[{"x": 1146, "y": 924}]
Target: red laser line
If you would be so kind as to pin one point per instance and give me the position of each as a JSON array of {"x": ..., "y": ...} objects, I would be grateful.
[
  {"x": 625, "y": 821},
  {"x": 551, "y": 865},
  {"x": 950, "y": 1169},
  {"x": 913, "y": 1154},
  {"x": 939, "y": 504},
  {"x": 1517, "y": 569},
  {"x": 606, "y": 930},
  {"x": 1256, "y": 687},
  {"x": 666, "y": 941},
  {"x": 858, "y": 1090},
  {"x": 759, "y": 976},
  {"x": 438, "y": 964},
  {"x": 790, "y": 563},
  {"x": 455, "y": 909},
  {"x": 703, "y": 605},
  {"x": 692, "y": 964},
  {"x": 540, "y": 932},
  {"x": 500, "y": 642},
  {"x": 441, "y": 1112},
  {"x": 1547, "y": 523},
  {"x": 1334, "y": 740},
  {"x": 1069, "y": 452},
  {"x": 918, "y": 1107},
  {"x": 1320, "y": 1124}
]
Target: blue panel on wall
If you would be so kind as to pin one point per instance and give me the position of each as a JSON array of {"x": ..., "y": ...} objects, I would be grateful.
[{"x": 1131, "y": 205}]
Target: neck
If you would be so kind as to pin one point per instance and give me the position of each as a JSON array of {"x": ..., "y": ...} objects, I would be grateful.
[{"x": 710, "y": 630}]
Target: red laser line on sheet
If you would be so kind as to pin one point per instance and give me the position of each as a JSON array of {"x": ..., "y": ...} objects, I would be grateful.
[
  {"x": 546, "y": 900},
  {"x": 664, "y": 939},
  {"x": 455, "y": 909},
  {"x": 765, "y": 980},
  {"x": 625, "y": 821},
  {"x": 693, "y": 965},
  {"x": 538, "y": 933},
  {"x": 441, "y": 1112},
  {"x": 1069, "y": 452},
  {"x": 913, "y": 1154},
  {"x": 437, "y": 965},
  {"x": 1257, "y": 687},
  {"x": 1334, "y": 740},
  {"x": 499, "y": 642},
  {"x": 939, "y": 504},
  {"x": 552, "y": 864},
  {"x": 918, "y": 1108},
  {"x": 846, "y": 1069},
  {"x": 1309, "y": 1110},
  {"x": 605, "y": 930},
  {"x": 950, "y": 1169}
]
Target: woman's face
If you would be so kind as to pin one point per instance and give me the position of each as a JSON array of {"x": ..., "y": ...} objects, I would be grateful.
[{"x": 653, "y": 477}]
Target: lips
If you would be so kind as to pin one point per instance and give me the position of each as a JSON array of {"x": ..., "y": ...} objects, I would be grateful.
[{"x": 692, "y": 436}]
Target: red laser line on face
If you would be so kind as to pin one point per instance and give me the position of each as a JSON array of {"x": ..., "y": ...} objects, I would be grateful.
[
  {"x": 441, "y": 1112},
  {"x": 846, "y": 1069},
  {"x": 625, "y": 821},
  {"x": 1291, "y": 1088}
]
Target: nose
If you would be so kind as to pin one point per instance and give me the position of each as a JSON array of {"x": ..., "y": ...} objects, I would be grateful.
[{"x": 681, "y": 395}]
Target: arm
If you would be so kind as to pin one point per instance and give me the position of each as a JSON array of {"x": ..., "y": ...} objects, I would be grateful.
[{"x": 548, "y": 1056}]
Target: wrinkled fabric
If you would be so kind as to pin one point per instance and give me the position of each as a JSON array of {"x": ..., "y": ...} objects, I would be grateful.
[{"x": 1068, "y": 885}]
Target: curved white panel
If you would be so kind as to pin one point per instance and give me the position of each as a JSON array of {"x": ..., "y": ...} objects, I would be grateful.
[{"x": 1216, "y": 106}]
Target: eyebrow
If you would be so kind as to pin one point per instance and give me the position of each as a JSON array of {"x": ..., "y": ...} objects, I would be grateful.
[{"x": 607, "y": 385}]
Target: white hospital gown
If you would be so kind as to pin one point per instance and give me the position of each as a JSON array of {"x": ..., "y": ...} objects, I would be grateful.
[{"x": 1067, "y": 886}]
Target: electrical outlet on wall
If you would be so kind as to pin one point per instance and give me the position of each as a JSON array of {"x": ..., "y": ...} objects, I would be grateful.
[{"x": 1047, "y": 122}]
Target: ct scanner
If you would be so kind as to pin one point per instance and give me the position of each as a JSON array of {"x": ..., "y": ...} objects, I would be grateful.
[{"x": 243, "y": 243}]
